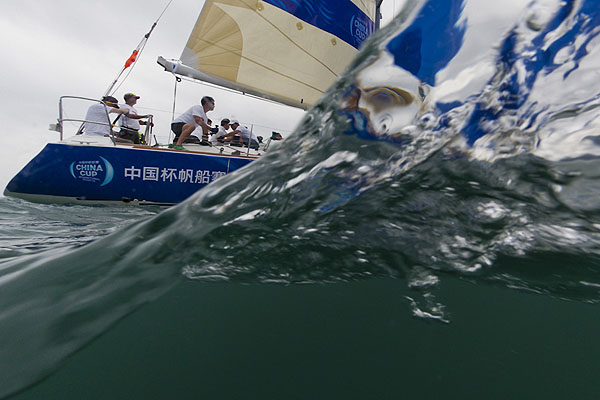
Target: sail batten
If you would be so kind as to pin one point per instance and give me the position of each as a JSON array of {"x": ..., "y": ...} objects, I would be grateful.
[{"x": 289, "y": 51}]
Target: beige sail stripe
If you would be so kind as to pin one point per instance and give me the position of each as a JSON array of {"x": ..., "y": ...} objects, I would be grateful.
[
  {"x": 291, "y": 41},
  {"x": 261, "y": 65}
]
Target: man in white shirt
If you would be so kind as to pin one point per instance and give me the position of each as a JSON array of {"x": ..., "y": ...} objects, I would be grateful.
[
  {"x": 130, "y": 122},
  {"x": 194, "y": 117},
  {"x": 97, "y": 122},
  {"x": 245, "y": 134},
  {"x": 221, "y": 133}
]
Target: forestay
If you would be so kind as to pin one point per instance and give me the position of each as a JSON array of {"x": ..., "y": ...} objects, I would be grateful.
[{"x": 289, "y": 51}]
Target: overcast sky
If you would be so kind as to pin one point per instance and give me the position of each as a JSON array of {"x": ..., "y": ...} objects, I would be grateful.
[{"x": 73, "y": 47}]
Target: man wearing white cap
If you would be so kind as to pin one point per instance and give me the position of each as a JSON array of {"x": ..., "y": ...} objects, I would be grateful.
[
  {"x": 244, "y": 133},
  {"x": 130, "y": 122}
]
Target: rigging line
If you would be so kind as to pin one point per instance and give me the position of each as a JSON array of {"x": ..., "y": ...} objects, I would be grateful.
[
  {"x": 161, "y": 14},
  {"x": 177, "y": 80},
  {"x": 227, "y": 89},
  {"x": 130, "y": 69},
  {"x": 139, "y": 49}
]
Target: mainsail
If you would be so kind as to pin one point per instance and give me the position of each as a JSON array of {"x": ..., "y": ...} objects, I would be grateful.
[{"x": 289, "y": 51}]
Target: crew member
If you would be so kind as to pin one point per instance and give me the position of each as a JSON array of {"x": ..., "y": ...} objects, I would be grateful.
[
  {"x": 248, "y": 138},
  {"x": 194, "y": 117},
  {"x": 97, "y": 122},
  {"x": 130, "y": 122}
]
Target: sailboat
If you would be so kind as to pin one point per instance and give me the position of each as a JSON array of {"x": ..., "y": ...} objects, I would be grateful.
[{"x": 287, "y": 51}]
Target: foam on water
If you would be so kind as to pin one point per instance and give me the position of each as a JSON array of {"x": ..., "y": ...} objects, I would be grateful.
[{"x": 463, "y": 140}]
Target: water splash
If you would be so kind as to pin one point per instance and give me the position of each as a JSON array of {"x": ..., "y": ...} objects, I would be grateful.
[{"x": 478, "y": 161}]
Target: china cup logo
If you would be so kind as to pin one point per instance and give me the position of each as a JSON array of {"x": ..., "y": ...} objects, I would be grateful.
[
  {"x": 95, "y": 171},
  {"x": 360, "y": 28}
]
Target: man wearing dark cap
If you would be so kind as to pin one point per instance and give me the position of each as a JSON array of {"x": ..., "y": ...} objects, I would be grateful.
[
  {"x": 221, "y": 133},
  {"x": 96, "y": 119},
  {"x": 130, "y": 122}
]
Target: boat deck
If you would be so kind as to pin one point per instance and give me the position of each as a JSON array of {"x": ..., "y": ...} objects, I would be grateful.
[{"x": 213, "y": 150}]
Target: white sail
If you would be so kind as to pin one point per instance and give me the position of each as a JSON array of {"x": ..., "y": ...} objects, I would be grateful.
[{"x": 289, "y": 51}]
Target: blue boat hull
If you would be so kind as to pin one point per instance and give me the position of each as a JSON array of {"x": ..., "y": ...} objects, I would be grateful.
[{"x": 143, "y": 175}]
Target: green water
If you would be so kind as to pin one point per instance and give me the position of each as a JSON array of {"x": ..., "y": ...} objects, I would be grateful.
[
  {"x": 487, "y": 174},
  {"x": 337, "y": 341}
]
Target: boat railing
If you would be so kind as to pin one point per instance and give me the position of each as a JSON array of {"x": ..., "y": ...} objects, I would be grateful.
[
  {"x": 62, "y": 119},
  {"x": 147, "y": 136},
  {"x": 267, "y": 143},
  {"x": 249, "y": 139}
]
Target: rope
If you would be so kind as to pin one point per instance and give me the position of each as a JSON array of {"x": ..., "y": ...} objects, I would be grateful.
[
  {"x": 161, "y": 14},
  {"x": 226, "y": 89},
  {"x": 130, "y": 69}
]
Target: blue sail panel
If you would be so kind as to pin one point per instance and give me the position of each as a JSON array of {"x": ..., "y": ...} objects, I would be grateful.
[{"x": 341, "y": 18}]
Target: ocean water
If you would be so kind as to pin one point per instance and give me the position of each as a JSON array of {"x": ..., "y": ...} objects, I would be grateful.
[{"x": 431, "y": 229}]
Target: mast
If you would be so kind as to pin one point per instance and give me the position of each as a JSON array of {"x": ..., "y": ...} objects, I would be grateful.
[
  {"x": 378, "y": 15},
  {"x": 132, "y": 60}
]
